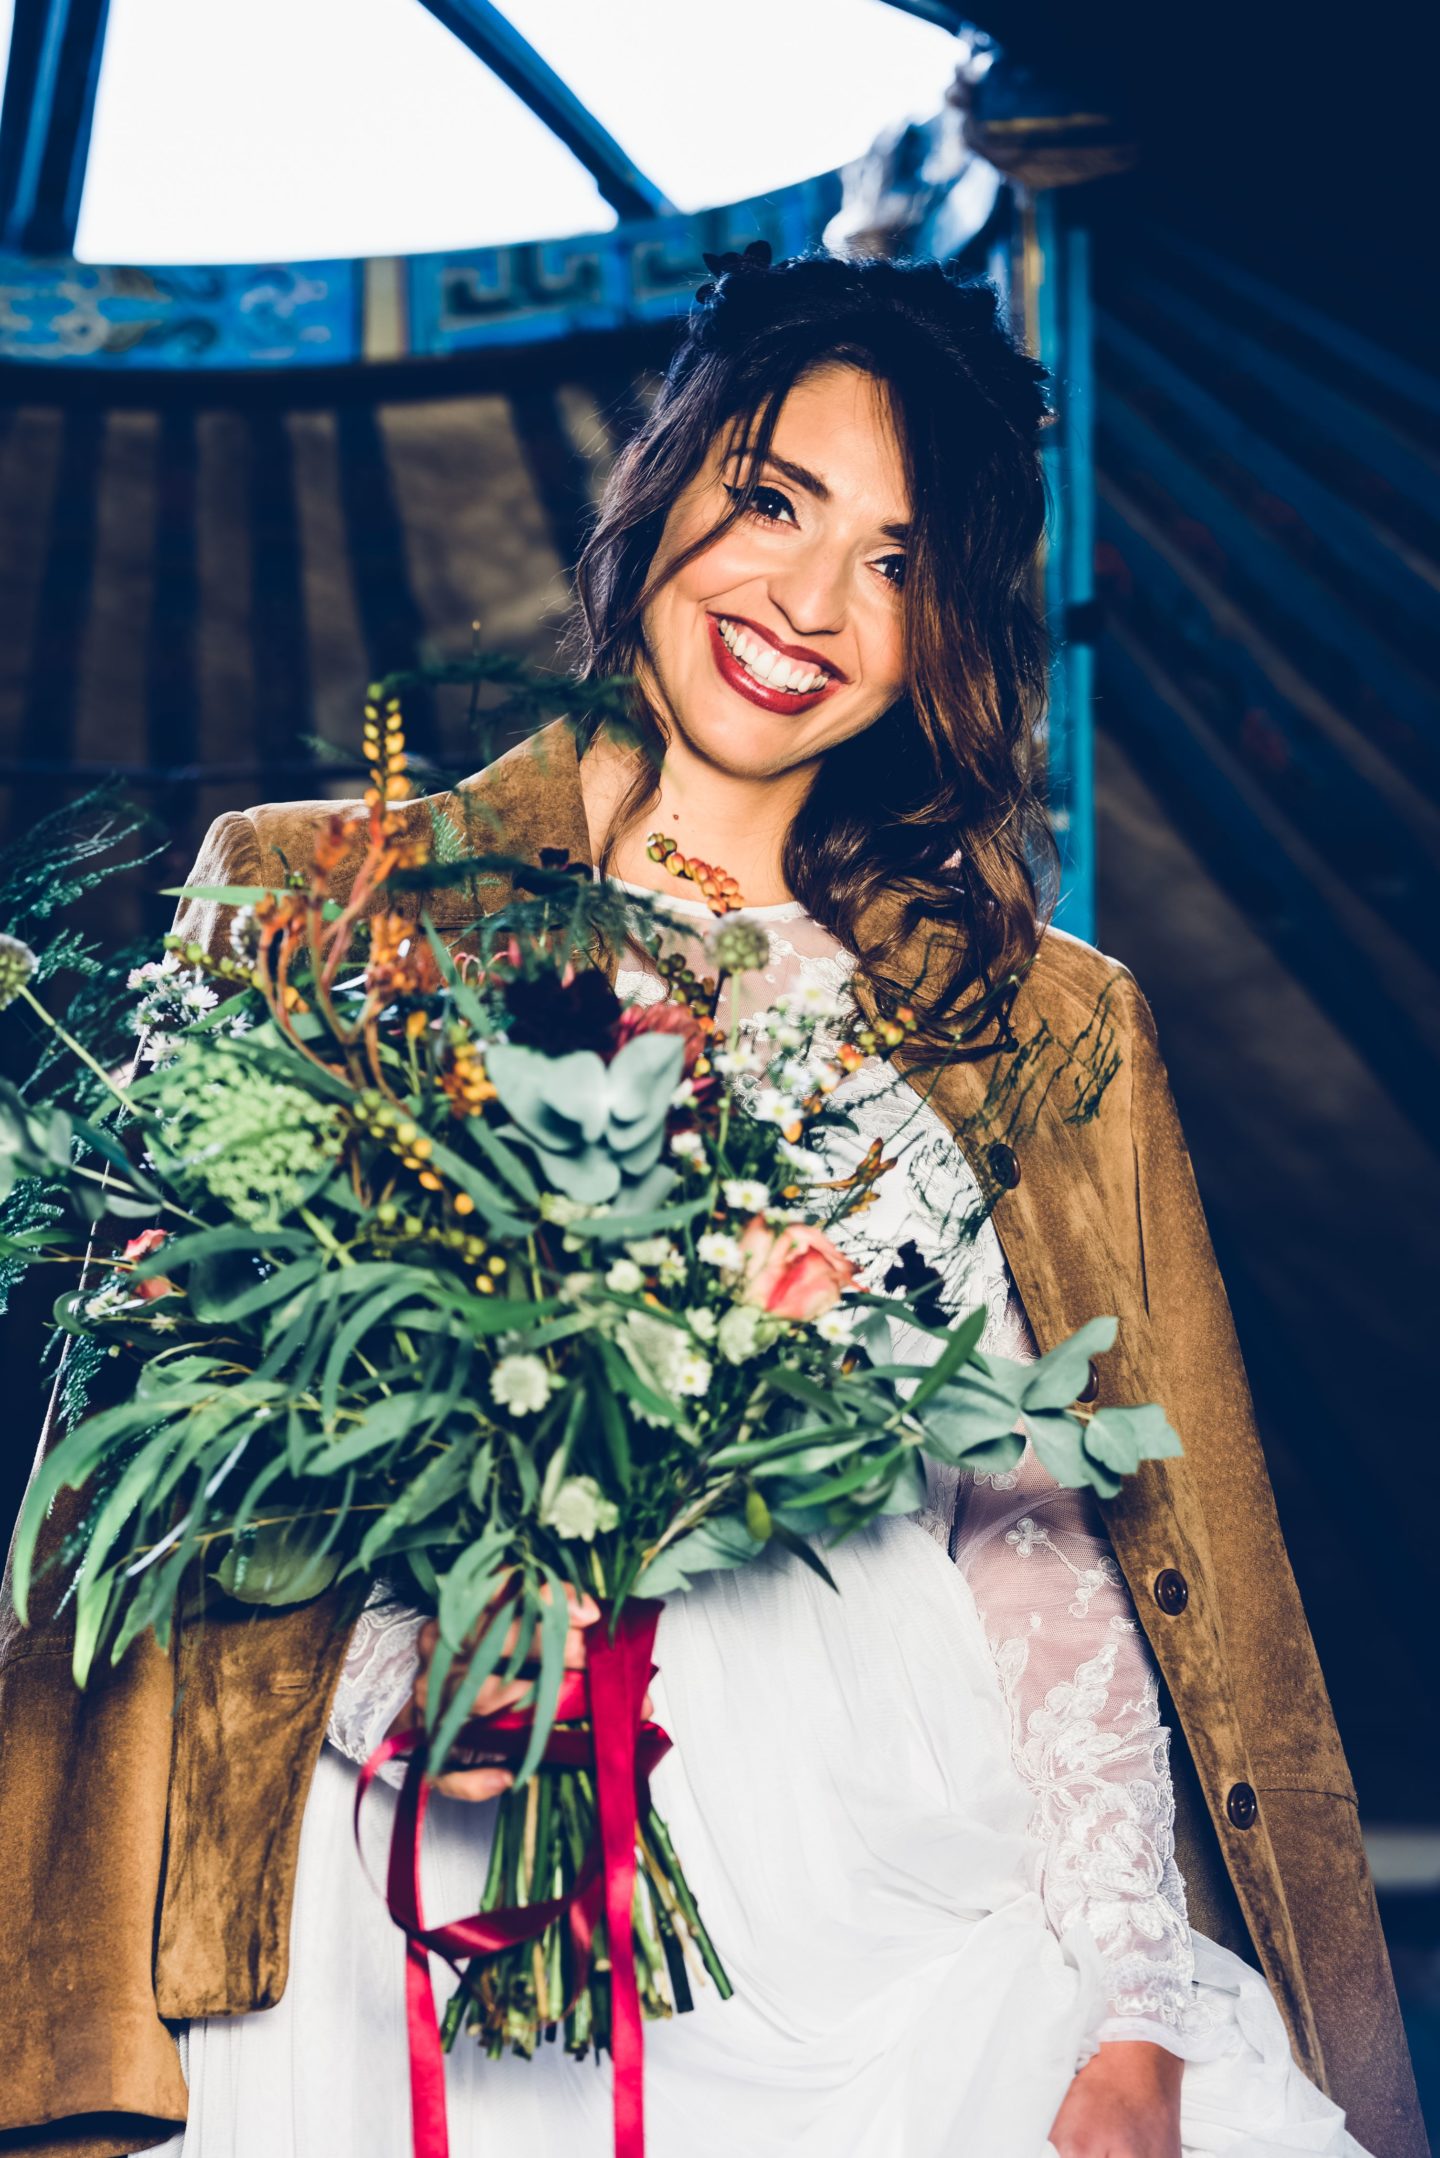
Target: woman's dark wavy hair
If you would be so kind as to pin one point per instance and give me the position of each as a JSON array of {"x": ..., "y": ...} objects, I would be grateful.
[{"x": 937, "y": 800}]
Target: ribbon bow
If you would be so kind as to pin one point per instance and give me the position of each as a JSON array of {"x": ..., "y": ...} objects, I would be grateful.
[{"x": 622, "y": 1750}]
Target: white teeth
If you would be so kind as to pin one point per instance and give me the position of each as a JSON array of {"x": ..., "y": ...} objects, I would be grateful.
[{"x": 769, "y": 666}]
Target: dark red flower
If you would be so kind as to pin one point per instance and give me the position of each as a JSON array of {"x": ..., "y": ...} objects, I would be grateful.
[{"x": 557, "y": 1017}]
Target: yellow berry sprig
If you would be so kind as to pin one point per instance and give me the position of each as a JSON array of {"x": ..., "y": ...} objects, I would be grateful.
[
  {"x": 380, "y": 1120},
  {"x": 878, "y": 1037},
  {"x": 384, "y": 746},
  {"x": 466, "y": 1083}
]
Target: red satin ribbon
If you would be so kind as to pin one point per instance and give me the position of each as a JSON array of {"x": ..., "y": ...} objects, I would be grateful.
[{"x": 623, "y": 1750}]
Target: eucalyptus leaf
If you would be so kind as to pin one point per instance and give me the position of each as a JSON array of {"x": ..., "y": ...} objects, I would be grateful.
[
  {"x": 1059, "y": 1378},
  {"x": 717, "y": 1545}
]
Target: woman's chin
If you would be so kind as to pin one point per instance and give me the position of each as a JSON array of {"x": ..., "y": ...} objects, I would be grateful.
[{"x": 746, "y": 743}]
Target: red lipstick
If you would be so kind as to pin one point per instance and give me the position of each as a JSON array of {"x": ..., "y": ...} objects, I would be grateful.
[{"x": 768, "y": 697}]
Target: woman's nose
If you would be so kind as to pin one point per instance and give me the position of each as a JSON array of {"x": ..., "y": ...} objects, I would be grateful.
[{"x": 811, "y": 592}]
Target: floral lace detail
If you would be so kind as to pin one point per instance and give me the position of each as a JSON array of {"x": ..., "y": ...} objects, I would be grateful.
[
  {"x": 379, "y": 1673},
  {"x": 1084, "y": 1698}
]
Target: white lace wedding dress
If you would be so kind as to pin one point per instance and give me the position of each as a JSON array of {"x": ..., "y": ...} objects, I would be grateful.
[{"x": 929, "y": 1823}]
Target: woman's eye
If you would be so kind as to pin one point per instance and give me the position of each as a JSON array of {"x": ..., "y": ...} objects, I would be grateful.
[
  {"x": 766, "y": 503},
  {"x": 892, "y": 568}
]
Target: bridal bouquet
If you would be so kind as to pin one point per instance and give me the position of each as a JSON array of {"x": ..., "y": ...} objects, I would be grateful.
[{"x": 444, "y": 1269}]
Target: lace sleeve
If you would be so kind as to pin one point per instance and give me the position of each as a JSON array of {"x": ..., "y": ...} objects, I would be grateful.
[
  {"x": 379, "y": 1672},
  {"x": 1083, "y": 1692}
]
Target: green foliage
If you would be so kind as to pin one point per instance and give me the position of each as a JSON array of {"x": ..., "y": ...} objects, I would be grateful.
[{"x": 255, "y": 1142}]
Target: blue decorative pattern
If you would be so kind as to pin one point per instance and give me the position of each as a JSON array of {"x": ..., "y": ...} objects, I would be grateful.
[
  {"x": 638, "y": 272},
  {"x": 295, "y": 314},
  {"x": 273, "y": 315}
]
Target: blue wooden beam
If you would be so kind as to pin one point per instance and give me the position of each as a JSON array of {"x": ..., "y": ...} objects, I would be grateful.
[
  {"x": 45, "y": 121},
  {"x": 483, "y": 30}
]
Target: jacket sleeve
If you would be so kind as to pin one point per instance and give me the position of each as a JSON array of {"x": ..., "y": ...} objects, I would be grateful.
[
  {"x": 1305, "y": 1793},
  {"x": 84, "y": 1853},
  {"x": 229, "y": 855}
]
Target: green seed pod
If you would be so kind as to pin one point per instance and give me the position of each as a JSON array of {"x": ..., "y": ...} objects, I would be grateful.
[
  {"x": 741, "y": 948},
  {"x": 17, "y": 964},
  {"x": 757, "y": 1517}
]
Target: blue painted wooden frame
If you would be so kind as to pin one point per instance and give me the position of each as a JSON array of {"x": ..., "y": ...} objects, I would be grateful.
[{"x": 46, "y": 118}]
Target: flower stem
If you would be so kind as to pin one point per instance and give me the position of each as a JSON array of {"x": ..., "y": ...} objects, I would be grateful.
[{"x": 77, "y": 1049}]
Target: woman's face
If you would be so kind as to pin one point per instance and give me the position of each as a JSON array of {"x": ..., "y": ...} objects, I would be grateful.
[{"x": 785, "y": 635}]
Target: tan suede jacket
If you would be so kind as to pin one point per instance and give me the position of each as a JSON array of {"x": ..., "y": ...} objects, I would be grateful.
[{"x": 149, "y": 1827}]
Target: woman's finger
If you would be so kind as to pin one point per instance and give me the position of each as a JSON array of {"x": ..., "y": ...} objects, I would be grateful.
[{"x": 474, "y": 1783}]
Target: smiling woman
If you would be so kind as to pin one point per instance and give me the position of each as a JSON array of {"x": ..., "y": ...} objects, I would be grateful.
[
  {"x": 964, "y": 1902},
  {"x": 815, "y": 561}
]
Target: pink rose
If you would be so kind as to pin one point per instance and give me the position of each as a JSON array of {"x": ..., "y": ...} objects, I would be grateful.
[
  {"x": 793, "y": 1272},
  {"x": 140, "y": 1247}
]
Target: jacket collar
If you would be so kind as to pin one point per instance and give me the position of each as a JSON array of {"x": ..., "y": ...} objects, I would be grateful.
[{"x": 528, "y": 799}]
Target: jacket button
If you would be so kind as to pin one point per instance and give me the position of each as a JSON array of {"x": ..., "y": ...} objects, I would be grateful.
[
  {"x": 1242, "y": 1806},
  {"x": 1092, "y": 1383},
  {"x": 1172, "y": 1591},
  {"x": 1004, "y": 1166}
]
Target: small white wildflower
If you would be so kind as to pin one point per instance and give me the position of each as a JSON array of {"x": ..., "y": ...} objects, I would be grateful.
[
  {"x": 687, "y": 1145},
  {"x": 625, "y": 1278},
  {"x": 199, "y": 996},
  {"x": 163, "y": 1322},
  {"x": 160, "y": 1048},
  {"x": 716, "y": 1249},
  {"x": 109, "y": 1302},
  {"x": 683, "y": 1095},
  {"x": 733, "y": 1063},
  {"x": 521, "y": 1384},
  {"x": 580, "y": 1509},
  {"x": 770, "y": 1106},
  {"x": 833, "y": 1326},
  {"x": 692, "y": 1374},
  {"x": 746, "y": 1194},
  {"x": 554, "y": 1206},
  {"x": 574, "y": 1288},
  {"x": 702, "y": 1322},
  {"x": 650, "y": 1250},
  {"x": 741, "y": 1334},
  {"x": 815, "y": 1001},
  {"x": 244, "y": 933}
]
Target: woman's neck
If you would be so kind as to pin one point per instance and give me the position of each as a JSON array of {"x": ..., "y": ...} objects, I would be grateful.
[{"x": 732, "y": 822}]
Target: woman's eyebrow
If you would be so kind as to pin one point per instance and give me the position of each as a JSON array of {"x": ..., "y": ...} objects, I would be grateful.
[{"x": 812, "y": 484}]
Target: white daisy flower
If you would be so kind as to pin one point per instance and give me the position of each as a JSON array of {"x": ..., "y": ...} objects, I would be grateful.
[
  {"x": 625, "y": 1278},
  {"x": 702, "y": 1322},
  {"x": 521, "y": 1384},
  {"x": 716, "y": 1249},
  {"x": 687, "y": 1145},
  {"x": 746, "y": 1194},
  {"x": 741, "y": 1333},
  {"x": 693, "y": 1374},
  {"x": 833, "y": 1326}
]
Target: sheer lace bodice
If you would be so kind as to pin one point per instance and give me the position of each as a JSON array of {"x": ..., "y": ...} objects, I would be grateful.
[{"x": 1076, "y": 1671}]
